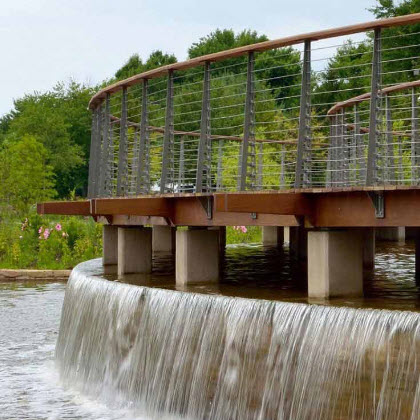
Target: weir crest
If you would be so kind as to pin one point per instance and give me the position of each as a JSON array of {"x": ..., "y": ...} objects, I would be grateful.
[{"x": 194, "y": 356}]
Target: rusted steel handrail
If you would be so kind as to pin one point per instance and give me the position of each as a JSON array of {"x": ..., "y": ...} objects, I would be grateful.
[
  {"x": 366, "y": 96},
  {"x": 258, "y": 47}
]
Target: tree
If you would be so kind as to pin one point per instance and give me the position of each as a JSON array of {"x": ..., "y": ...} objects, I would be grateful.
[
  {"x": 25, "y": 176},
  {"x": 387, "y": 8},
  {"x": 135, "y": 65},
  {"x": 60, "y": 121}
]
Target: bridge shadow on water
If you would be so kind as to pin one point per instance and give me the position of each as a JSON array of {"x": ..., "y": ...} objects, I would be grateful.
[{"x": 257, "y": 272}]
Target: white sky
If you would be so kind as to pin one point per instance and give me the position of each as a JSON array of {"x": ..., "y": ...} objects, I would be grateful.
[{"x": 46, "y": 41}]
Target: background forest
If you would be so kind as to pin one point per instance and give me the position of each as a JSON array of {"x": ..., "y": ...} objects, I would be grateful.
[{"x": 45, "y": 140}]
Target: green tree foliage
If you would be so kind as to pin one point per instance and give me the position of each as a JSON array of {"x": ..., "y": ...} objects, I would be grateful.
[
  {"x": 221, "y": 40},
  {"x": 60, "y": 121},
  {"x": 25, "y": 176},
  {"x": 388, "y": 8},
  {"x": 135, "y": 65}
]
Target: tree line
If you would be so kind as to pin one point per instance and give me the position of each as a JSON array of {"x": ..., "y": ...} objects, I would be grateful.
[{"x": 45, "y": 139}]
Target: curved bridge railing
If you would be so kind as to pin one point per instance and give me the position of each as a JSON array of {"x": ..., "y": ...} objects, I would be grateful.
[{"x": 259, "y": 117}]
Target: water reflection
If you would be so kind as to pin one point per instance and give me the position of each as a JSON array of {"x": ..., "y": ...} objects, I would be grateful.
[{"x": 255, "y": 271}]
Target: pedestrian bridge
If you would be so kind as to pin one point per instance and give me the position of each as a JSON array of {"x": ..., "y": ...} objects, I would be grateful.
[{"x": 316, "y": 132}]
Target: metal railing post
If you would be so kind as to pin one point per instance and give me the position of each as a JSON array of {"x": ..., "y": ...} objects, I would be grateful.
[
  {"x": 248, "y": 141},
  {"x": 168, "y": 139},
  {"x": 282, "y": 167},
  {"x": 181, "y": 169},
  {"x": 360, "y": 156},
  {"x": 415, "y": 146},
  {"x": 303, "y": 173},
  {"x": 92, "y": 157},
  {"x": 340, "y": 146},
  {"x": 204, "y": 146},
  {"x": 371, "y": 170},
  {"x": 260, "y": 166},
  {"x": 105, "y": 175},
  {"x": 122, "y": 153},
  {"x": 390, "y": 161},
  {"x": 219, "y": 177},
  {"x": 143, "y": 181}
]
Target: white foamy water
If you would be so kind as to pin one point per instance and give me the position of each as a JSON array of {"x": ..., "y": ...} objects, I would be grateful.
[
  {"x": 29, "y": 382},
  {"x": 139, "y": 353},
  {"x": 193, "y": 356}
]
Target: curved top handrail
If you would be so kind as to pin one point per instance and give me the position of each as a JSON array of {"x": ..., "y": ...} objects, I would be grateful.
[
  {"x": 260, "y": 46},
  {"x": 361, "y": 98}
]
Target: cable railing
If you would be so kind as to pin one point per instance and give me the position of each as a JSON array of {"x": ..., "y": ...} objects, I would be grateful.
[{"x": 321, "y": 110}]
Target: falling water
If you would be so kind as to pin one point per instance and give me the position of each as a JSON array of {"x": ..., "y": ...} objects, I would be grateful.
[{"x": 172, "y": 354}]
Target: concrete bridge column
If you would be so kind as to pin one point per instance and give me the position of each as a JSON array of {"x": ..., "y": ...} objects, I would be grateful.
[
  {"x": 109, "y": 245},
  {"x": 163, "y": 239},
  {"x": 298, "y": 242},
  {"x": 335, "y": 263},
  {"x": 286, "y": 234},
  {"x": 197, "y": 256},
  {"x": 134, "y": 250},
  {"x": 272, "y": 235},
  {"x": 369, "y": 243},
  {"x": 415, "y": 232},
  {"x": 396, "y": 234}
]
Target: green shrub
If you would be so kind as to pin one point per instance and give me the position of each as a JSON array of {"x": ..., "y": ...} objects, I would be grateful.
[
  {"x": 249, "y": 235},
  {"x": 48, "y": 242}
]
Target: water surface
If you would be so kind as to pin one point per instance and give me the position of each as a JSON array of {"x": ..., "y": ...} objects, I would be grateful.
[{"x": 30, "y": 317}]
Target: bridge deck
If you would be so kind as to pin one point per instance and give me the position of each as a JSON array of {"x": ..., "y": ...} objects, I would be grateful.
[{"x": 317, "y": 208}]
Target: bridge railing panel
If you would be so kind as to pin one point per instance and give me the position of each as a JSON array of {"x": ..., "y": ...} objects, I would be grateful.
[{"x": 333, "y": 109}]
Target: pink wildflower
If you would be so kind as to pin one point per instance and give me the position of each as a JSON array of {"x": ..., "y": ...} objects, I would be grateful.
[
  {"x": 244, "y": 229},
  {"x": 46, "y": 233},
  {"x": 40, "y": 230},
  {"x": 58, "y": 227}
]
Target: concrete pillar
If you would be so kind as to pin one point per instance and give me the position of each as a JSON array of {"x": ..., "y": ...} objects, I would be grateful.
[
  {"x": 335, "y": 263},
  {"x": 369, "y": 248},
  {"x": 197, "y": 256},
  {"x": 110, "y": 245},
  {"x": 222, "y": 239},
  {"x": 272, "y": 236},
  {"x": 134, "y": 250},
  {"x": 396, "y": 234},
  {"x": 163, "y": 239},
  {"x": 416, "y": 233},
  {"x": 286, "y": 234},
  {"x": 298, "y": 242}
]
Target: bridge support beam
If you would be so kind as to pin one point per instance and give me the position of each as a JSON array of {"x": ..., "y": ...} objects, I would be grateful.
[
  {"x": 395, "y": 234},
  {"x": 110, "y": 245},
  {"x": 163, "y": 239},
  {"x": 134, "y": 250},
  {"x": 197, "y": 256},
  {"x": 369, "y": 244},
  {"x": 335, "y": 263},
  {"x": 272, "y": 236}
]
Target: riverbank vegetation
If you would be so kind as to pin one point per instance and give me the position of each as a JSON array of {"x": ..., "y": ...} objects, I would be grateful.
[{"x": 44, "y": 140}]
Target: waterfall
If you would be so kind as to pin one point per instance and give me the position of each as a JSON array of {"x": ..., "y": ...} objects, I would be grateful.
[{"x": 192, "y": 356}]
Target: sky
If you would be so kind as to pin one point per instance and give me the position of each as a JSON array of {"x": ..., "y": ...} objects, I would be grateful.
[{"x": 45, "y": 41}]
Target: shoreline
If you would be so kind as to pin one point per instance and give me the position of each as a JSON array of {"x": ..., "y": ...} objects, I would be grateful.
[{"x": 7, "y": 275}]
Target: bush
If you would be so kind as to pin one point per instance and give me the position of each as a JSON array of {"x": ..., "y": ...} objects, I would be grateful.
[
  {"x": 47, "y": 242},
  {"x": 243, "y": 234}
]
